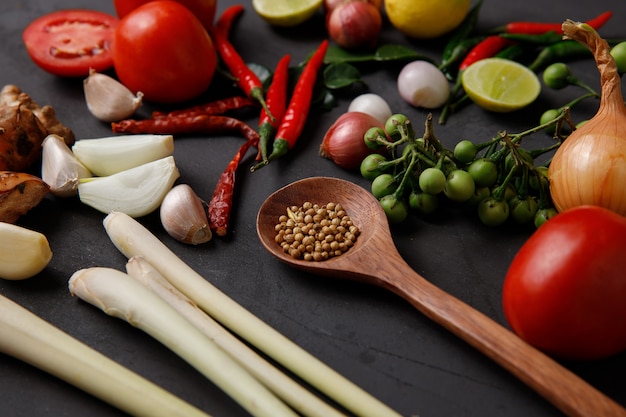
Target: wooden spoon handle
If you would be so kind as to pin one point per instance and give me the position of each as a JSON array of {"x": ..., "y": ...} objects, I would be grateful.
[{"x": 557, "y": 384}]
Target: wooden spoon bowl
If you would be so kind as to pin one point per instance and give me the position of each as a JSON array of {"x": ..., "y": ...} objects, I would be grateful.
[
  {"x": 361, "y": 206},
  {"x": 375, "y": 260}
]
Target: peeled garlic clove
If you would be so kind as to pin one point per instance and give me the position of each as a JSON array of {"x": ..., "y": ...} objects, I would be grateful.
[
  {"x": 23, "y": 252},
  {"x": 59, "y": 167},
  {"x": 108, "y": 99},
  {"x": 183, "y": 216},
  {"x": 110, "y": 155},
  {"x": 137, "y": 191}
]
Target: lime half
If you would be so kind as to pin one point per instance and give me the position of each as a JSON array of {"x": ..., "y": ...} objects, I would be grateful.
[
  {"x": 500, "y": 85},
  {"x": 286, "y": 12}
]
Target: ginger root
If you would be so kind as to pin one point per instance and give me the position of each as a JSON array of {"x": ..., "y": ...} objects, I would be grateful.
[
  {"x": 19, "y": 192},
  {"x": 23, "y": 126}
]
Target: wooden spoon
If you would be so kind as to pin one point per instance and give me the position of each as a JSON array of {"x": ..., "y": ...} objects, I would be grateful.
[{"x": 375, "y": 260}]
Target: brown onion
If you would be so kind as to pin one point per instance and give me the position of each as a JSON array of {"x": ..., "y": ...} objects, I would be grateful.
[
  {"x": 343, "y": 142},
  {"x": 590, "y": 165},
  {"x": 355, "y": 25}
]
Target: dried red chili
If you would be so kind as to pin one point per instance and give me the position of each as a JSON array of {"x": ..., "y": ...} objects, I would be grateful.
[
  {"x": 220, "y": 205},
  {"x": 194, "y": 124},
  {"x": 298, "y": 110},
  {"x": 277, "y": 103},
  {"x": 216, "y": 107}
]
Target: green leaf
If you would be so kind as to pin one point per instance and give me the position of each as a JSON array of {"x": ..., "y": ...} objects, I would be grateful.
[
  {"x": 397, "y": 53},
  {"x": 337, "y": 55},
  {"x": 385, "y": 53},
  {"x": 326, "y": 100},
  {"x": 341, "y": 75}
]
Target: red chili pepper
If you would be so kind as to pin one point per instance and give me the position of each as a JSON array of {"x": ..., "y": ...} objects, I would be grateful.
[
  {"x": 216, "y": 107},
  {"x": 538, "y": 28},
  {"x": 277, "y": 102},
  {"x": 202, "y": 124},
  {"x": 298, "y": 110},
  {"x": 247, "y": 80},
  {"x": 220, "y": 205},
  {"x": 226, "y": 19},
  {"x": 486, "y": 48}
]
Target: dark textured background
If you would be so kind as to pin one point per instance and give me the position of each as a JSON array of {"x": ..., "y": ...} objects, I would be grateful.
[{"x": 372, "y": 337}]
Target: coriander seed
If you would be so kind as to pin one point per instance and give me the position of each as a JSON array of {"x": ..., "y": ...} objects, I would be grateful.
[{"x": 315, "y": 233}]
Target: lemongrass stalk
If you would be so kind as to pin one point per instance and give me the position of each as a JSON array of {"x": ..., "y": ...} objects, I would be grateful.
[
  {"x": 286, "y": 388},
  {"x": 133, "y": 239},
  {"x": 118, "y": 295},
  {"x": 33, "y": 340}
]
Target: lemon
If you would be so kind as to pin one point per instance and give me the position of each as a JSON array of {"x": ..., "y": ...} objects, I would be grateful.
[
  {"x": 500, "y": 85},
  {"x": 426, "y": 19},
  {"x": 286, "y": 12}
]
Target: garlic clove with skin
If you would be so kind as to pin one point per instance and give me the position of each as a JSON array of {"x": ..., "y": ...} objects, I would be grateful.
[
  {"x": 108, "y": 99},
  {"x": 59, "y": 167},
  {"x": 183, "y": 216}
]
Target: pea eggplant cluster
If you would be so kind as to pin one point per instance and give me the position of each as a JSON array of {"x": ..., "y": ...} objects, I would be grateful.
[{"x": 498, "y": 179}]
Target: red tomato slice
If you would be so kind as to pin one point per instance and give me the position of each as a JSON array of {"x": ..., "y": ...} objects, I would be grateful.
[{"x": 70, "y": 42}]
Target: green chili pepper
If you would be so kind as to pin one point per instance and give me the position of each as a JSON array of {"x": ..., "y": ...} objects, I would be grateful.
[
  {"x": 459, "y": 52},
  {"x": 512, "y": 52},
  {"x": 564, "y": 50},
  {"x": 560, "y": 51},
  {"x": 461, "y": 33},
  {"x": 547, "y": 38}
]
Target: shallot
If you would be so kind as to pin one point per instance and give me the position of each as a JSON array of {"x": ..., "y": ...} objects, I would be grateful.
[
  {"x": 343, "y": 142},
  {"x": 422, "y": 84},
  {"x": 372, "y": 104},
  {"x": 354, "y": 25},
  {"x": 330, "y": 5},
  {"x": 589, "y": 167}
]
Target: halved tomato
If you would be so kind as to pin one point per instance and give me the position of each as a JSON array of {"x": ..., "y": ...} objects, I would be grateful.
[{"x": 70, "y": 42}]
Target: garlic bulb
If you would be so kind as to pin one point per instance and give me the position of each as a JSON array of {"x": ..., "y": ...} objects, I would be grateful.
[
  {"x": 590, "y": 165},
  {"x": 108, "y": 99},
  {"x": 137, "y": 191},
  {"x": 183, "y": 216},
  {"x": 110, "y": 155},
  {"x": 59, "y": 167}
]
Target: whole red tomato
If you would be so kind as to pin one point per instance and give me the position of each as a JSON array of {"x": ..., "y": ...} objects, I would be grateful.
[
  {"x": 162, "y": 50},
  {"x": 565, "y": 291},
  {"x": 203, "y": 9}
]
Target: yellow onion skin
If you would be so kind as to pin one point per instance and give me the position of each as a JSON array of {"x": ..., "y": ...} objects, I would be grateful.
[{"x": 589, "y": 167}]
